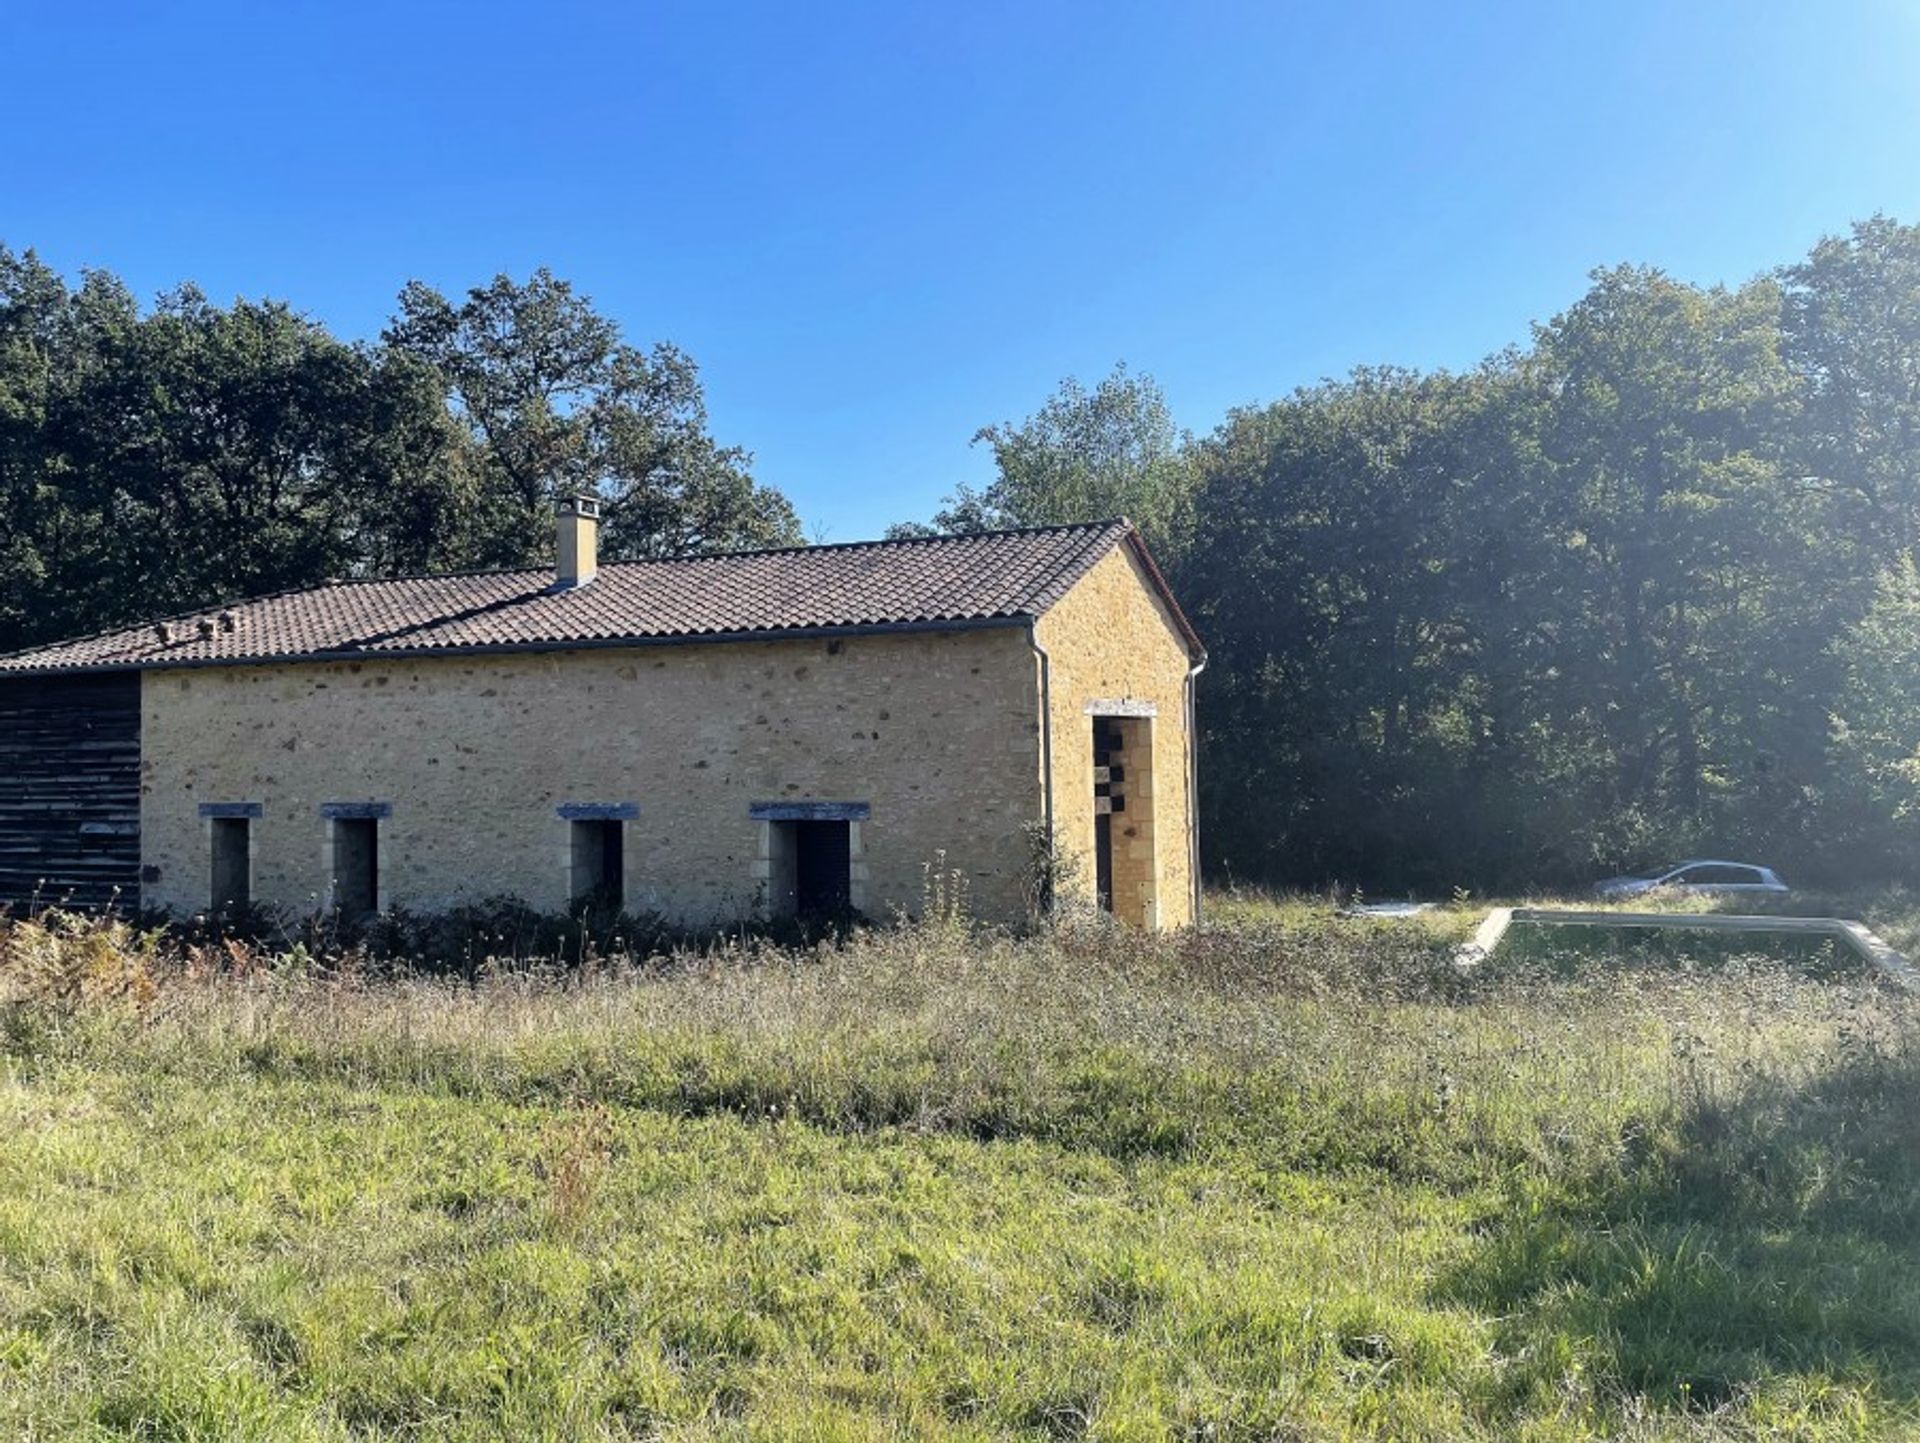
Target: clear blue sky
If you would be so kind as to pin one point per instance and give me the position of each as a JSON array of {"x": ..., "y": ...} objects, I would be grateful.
[{"x": 879, "y": 227}]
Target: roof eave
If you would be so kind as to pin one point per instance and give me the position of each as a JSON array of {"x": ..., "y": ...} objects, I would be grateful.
[{"x": 523, "y": 648}]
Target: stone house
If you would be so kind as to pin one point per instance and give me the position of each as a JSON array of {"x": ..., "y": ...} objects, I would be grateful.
[{"x": 713, "y": 739}]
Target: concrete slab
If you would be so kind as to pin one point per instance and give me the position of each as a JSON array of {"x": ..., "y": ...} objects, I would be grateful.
[
  {"x": 1388, "y": 910},
  {"x": 1875, "y": 952},
  {"x": 1486, "y": 937}
]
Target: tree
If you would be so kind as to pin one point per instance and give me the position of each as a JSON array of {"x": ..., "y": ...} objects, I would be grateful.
[
  {"x": 33, "y": 308},
  {"x": 1568, "y": 612},
  {"x": 1876, "y": 723},
  {"x": 551, "y": 402},
  {"x": 156, "y": 462},
  {"x": 1643, "y": 586},
  {"x": 163, "y": 459},
  {"x": 1327, "y": 582},
  {"x": 1677, "y": 527},
  {"x": 1083, "y": 456},
  {"x": 1852, "y": 324}
]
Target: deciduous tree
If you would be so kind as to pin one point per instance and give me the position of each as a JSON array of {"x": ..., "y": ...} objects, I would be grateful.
[{"x": 552, "y": 401}]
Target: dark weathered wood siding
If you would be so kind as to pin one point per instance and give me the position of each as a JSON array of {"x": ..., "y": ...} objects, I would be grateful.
[{"x": 70, "y": 790}]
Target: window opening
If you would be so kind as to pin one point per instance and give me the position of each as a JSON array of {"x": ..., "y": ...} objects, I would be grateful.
[
  {"x": 600, "y": 862},
  {"x": 356, "y": 866},
  {"x": 231, "y": 863}
]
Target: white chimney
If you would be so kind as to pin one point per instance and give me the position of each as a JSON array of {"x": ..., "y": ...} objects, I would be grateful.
[{"x": 579, "y": 547}]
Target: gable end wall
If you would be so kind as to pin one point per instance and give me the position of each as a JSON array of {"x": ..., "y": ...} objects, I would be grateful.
[{"x": 1110, "y": 638}]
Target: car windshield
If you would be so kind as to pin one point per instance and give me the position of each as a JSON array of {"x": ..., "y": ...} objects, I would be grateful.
[{"x": 1653, "y": 876}]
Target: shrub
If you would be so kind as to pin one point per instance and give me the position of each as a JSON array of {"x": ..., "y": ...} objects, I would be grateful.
[{"x": 58, "y": 962}]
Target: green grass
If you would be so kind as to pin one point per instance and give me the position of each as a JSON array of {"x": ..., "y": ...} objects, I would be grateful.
[
  {"x": 1308, "y": 914},
  {"x": 1295, "y": 1180},
  {"x": 1530, "y": 946}
]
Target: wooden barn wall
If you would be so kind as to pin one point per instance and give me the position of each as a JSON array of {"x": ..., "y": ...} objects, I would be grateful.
[{"x": 70, "y": 790}]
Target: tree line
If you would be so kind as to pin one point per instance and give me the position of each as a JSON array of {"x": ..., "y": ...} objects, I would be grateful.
[
  {"x": 1647, "y": 586},
  {"x": 1642, "y": 589},
  {"x": 158, "y": 459}
]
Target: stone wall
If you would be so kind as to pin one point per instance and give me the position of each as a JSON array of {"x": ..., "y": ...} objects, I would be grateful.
[
  {"x": 1114, "y": 649},
  {"x": 938, "y": 732}
]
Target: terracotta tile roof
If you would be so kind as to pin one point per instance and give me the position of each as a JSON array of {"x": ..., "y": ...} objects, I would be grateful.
[{"x": 991, "y": 578}]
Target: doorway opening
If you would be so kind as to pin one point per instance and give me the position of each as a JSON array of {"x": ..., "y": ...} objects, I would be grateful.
[
  {"x": 1108, "y": 745},
  {"x": 811, "y": 877},
  {"x": 812, "y": 862},
  {"x": 822, "y": 869},
  {"x": 1125, "y": 863}
]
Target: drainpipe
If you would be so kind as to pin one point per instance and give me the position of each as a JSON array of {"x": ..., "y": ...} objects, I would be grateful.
[
  {"x": 1193, "y": 782},
  {"x": 1046, "y": 735}
]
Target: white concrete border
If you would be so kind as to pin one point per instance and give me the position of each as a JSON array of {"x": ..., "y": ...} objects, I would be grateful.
[
  {"x": 1856, "y": 935},
  {"x": 1486, "y": 937}
]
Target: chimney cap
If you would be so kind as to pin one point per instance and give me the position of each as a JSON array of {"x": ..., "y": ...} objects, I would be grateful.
[{"x": 581, "y": 505}]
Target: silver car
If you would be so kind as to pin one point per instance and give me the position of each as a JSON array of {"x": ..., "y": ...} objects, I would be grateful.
[{"x": 1707, "y": 877}]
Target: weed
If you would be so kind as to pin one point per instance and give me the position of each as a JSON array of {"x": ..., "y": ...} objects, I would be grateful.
[
  {"x": 60, "y": 962},
  {"x": 579, "y": 1150}
]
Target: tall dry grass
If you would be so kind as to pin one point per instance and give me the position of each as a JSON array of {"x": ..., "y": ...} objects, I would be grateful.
[{"x": 1323, "y": 1044}]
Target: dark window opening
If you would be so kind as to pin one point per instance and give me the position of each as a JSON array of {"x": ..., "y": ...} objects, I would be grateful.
[
  {"x": 1103, "y": 860},
  {"x": 812, "y": 872},
  {"x": 232, "y": 886},
  {"x": 600, "y": 863},
  {"x": 356, "y": 866}
]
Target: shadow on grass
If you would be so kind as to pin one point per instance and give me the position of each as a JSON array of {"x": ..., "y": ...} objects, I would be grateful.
[{"x": 1765, "y": 1254}]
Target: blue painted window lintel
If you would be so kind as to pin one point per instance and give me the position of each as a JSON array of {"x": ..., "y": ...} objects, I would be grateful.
[
  {"x": 810, "y": 811},
  {"x": 599, "y": 811}
]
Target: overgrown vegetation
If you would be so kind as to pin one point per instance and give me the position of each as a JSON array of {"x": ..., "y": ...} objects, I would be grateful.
[{"x": 1294, "y": 1178}]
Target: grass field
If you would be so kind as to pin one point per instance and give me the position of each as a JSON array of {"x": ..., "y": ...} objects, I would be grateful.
[{"x": 1292, "y": 1178}]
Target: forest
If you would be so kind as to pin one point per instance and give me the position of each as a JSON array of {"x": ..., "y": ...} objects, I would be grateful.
[{"x": 1643, "y": 585}]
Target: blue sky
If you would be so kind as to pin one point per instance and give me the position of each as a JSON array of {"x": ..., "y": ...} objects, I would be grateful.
[{"x": 880, "y": 227}]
